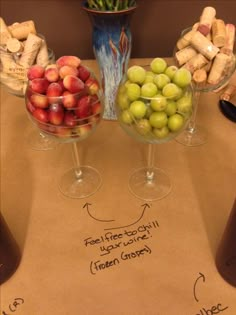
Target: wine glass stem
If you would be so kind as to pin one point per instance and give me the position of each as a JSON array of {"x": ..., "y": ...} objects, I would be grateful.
[
  {"x": 45, "y": 139},
  {"x": 150, "y": 163},
  {"x": 192, "y": 123},
  {"x": 78, "y": 171}
]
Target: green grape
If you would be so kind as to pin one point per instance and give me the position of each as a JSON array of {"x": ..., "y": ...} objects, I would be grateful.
[
  {"x": 158, "y": 119},
  {"x": 143, "y": 127},
  {"x": 133, "y": 91},
  {"x": 158, "y": 103},
  {"x": 182, "y": 77},
  {"x": 184, "y": 104},
  {"x": 126, "y": 117},
  {"x": 148, "y": 89},
  {"x": 136, "y": 74},
  {"x": 170, "y": 71},
  {"x": 122, "y": 98},
  {"x": 138, "y": 109},
  {"x": 171, "y": 90},
  {"x": 161, "y": 132},
  {"x": 149, "y": 77},
  {"x": 158, "y": 65},
  {"x": 161, "y": 80},
  {"x": 175, "y": 122},
  {"x": 149, "y": 111},
  {"x": 171, "y": 107}
]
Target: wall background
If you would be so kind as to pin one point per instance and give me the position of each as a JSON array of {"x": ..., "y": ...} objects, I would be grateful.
[{"x": 155, "y": 25}]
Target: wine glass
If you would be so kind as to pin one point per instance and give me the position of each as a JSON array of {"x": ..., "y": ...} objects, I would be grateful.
[
  {"x": 210, "y": 72},
  {"x": 70, "y": 118},
  {"x": 13, "y": 78},
  {"x": 153, "y": 120}
]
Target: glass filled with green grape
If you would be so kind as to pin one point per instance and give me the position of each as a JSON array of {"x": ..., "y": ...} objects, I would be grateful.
[{"x": 153, "y": 105}]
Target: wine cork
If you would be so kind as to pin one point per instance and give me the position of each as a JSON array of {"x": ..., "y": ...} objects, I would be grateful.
[
  {"x": 207, "y": 67},
  {"x": 229, "y": 92},
  {"x": 14, "y": 45},
  {"x": 206, "y": 20},
  {"x": 17, "y": 86},
  {"x": 229, "y": 88},
  {"x": 196, "y": 62},
  {"x": 42, "y": 58},
  {"x": 11, "y": 68},
  {"x": 51, "y": 66},
  {"x": 32, "y": 46},
  {"x": 4, "y": 32},
  {"x": 22, "y": 30},
  {"x": 185, "y": 54},
  {"x": 5, "y": 59},
  {"x": 209, "y": 37},
  {"x": 218, "y": 32},
  {"x": 184, "y": 41},
  {"x": 229, "y": 40},
  {"x": 200, "y": 77},
  {"x": 195, "y": 26},
  {"x": 218, "y": 68},
  {"x": 228, "y": 70},
  {"x": 204, "y": 45},
  {"x": 231, "y": 64}
]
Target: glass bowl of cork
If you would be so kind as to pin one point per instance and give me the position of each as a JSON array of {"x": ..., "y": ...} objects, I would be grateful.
[
  {"x": 21, "y": 47},
  {"x": 207, "y": 50}
]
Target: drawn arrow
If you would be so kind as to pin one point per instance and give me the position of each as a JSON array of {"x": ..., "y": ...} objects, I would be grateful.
[
  {"x": 195, "y": 284},
  {"x": 86, "y": 205},
  {"x": 145, "y": 205}
]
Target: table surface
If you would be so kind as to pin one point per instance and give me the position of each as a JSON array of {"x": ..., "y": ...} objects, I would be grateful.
[{"x": 79, "y": 256}]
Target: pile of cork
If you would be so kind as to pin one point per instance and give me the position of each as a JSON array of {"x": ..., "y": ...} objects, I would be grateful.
[
  {"x": 20, "y": 47},
  {"x": 206, "y": 49}
]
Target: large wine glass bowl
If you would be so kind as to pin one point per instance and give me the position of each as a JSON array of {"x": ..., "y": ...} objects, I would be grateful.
[
  {"x": 65, "y": 124},
  {"x": 70, "y": 117},
  {"x": 211, "y": 68},
  {"x": 153, "y": 117}
]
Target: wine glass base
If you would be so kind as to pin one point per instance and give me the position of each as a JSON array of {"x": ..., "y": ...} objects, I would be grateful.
[
  {"x": 158, "y": 187},
  {"x": 39, "y": 142},
  {"x": 80, "y": 186},
  {"x": 192, "y": 138}
]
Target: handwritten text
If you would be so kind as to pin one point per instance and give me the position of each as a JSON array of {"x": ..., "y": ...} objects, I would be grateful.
[
  {"x": 13, "y": 306},
  {"x": 120, "y": 244}
]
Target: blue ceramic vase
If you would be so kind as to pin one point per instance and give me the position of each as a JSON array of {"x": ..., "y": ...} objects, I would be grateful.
[{"x": 112, "y": 41}]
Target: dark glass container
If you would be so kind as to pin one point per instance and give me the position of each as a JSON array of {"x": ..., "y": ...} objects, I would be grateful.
[
  {"x": 9, "y": 252},
  {"x": 226, "y": 253}
]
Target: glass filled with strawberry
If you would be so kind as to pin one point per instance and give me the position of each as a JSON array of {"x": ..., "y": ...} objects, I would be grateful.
[{"x": 64, "y": 100}]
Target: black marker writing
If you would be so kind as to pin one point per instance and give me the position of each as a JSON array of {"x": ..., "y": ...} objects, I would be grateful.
[
  {"x": 213, "y": 310},
  {"x": 135, "y": 254},
  {"x": 202, "y": 277},
  {"x": 111, "y": 237},
  {"x": 13, "y": 306},
  {"x": 120, "y": 246},
  {"x": 99, "y": 265},
  {"x": 107, "y": 249}
]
